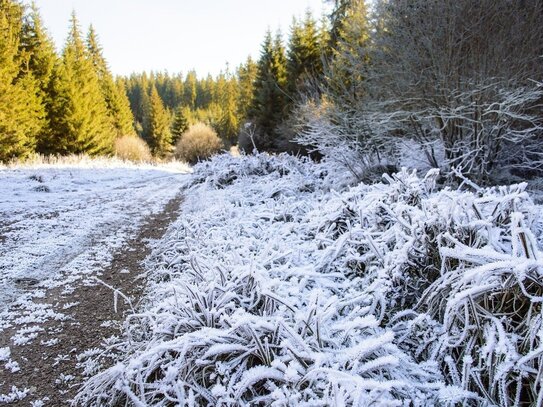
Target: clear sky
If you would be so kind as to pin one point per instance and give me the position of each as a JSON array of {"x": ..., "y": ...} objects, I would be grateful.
[{"x": 176, "y": 35}]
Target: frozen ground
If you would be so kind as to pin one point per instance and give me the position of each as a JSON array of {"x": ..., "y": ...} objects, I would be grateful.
[
  {"x": 281, "y": 285},
  {"x": 67, "y": 219},
  {"x": 62, "y": 226}
]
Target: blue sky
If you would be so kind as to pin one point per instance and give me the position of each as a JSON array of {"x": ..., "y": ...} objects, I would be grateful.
[{"x": 176, "y": 35}]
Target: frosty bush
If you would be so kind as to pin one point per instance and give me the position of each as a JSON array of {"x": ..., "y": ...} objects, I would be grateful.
[
  {"x": 465, "y": 73},
  {"x": 273, "y": 288},
  {"x": 344, "y": 137},
  {"x": 199, "y": 142},
  {"x": 132, "y": 148}
]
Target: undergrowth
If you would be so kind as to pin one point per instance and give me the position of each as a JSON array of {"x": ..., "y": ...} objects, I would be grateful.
[{"x": 280, "y": 286}]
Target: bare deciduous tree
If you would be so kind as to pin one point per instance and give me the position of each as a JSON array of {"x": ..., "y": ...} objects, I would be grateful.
[{"x": 467, "y": 73}]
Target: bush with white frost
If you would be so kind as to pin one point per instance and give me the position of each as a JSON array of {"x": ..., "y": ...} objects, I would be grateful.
[{"x": 274, "y": 289}]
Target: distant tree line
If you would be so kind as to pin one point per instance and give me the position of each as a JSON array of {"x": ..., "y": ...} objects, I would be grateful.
[
  {"x": 165, "y": 106},
  {"x": 458, "y": 82},
  {"x": 51, "y": 103},
  {"x": 255, "y": 100}
]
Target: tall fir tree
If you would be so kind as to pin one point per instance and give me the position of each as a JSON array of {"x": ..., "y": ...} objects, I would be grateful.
[
  {"x": 304, "y": 66},
  {"x": 117, "y": 103},
  {"x": 79, "y": 118},
  {"x": 180, "y": 124},
  {"x": 21, "y": 108},
  {"x": 226, "y": 98},
  {"x": 268, "y": 107},
  {"x": 344, "y": 76},
  {"x": 38, "y": 48},
  {"x": 40, "y": 60},
  {"x": 337, "y": 18},
  {"x": 156, "y": 130},
  {"x": 190, "y": 90},
  {"x": 246, "y": 73}
]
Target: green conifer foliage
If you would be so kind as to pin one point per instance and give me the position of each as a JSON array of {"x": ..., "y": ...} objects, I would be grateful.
[
  {"x": 246, "y": 82},
  {"x": 304, "y": 66},
  {"x": 40, "y": 60},
  {"x": 21, "y": 110},
  {"x": 190, "y": 90},
  {"x": 226, "y": 97},
  {"x": 352, "y": 32},
  {"x": 157, "y": 126},
  {"x": 79, "y": 118},
  {"x": 117, "y": 103},
  {"x": 268, "y": 107},
  {"x": 38, "y": 48},
  {"x": 180, "y": 124}
]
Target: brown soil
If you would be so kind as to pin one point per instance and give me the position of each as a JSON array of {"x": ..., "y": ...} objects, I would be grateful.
[{"x": 41, "y": 366}]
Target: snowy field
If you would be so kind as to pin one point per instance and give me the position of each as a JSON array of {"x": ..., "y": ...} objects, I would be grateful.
[
  {"x": 66, "y": 218},
  {"x": 279, "y": 285}
]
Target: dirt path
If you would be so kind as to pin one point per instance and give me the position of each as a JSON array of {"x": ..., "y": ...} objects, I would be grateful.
[{"x": 52, "y": 363}]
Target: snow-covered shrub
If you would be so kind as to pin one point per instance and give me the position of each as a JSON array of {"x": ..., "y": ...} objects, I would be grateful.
[
  {"x": 343, "y": 137},
  {"x": 489, "y": 298},
  {"x": 465, "y": 75},
  {"x": 199, "y": 142},
  {"x": 274, "y": 289},
  {"x": 132, "y": 148}
]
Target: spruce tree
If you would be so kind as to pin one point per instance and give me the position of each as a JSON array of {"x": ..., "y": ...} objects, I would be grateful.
[
  {"x": 190, "y": 90},
  {"x": 39, "y": 49},
  {"x": 345, "y": 78},
  {"x": 180, "y": 124},
  {"x": 21, "y": 108},
  {"x": 304, "y": 66},
  {"x": 118, "y": 106},
  {"x": 225, "y": 98},
  {"x": 246, "y": 82},
  {"x": 79, "y": 118},
  {"x": 157, "y": 125},
  {"x": 40, "y": 60},
  {"x": 268, "y": 107}
]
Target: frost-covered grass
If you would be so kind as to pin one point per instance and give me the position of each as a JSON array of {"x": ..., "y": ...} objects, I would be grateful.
[
  {"x": 279, "y": 286},
  {"x": 64, "y": 216},
  {"x": 85, "y": 162}
]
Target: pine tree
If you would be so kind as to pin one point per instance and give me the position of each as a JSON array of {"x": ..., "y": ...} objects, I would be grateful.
[
  {"x": 21, "y": 108},
  {"x": 227, "y": 94},
  {"x": 79, "y": 118},
  {"x": 337, "y": 19},
  {"x": 40, "y": 60},
  {"x": 156, "y": 130},
  {"x": 352, "y": 31},
  {"x": 246, "y": 82},
  {"x": 304, "y": 66},
  {"x": 118, "y": 106},
  {"x": 268, "y": 107},
  {"x": 190, "y": 90},
  {"x": 180, "y": 124},
  {"x": 325, "y": 39},
  {"x": 38, "y": 48}
]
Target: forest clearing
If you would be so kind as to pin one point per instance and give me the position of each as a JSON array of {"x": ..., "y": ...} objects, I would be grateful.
[{"x": 350, "y": 214}]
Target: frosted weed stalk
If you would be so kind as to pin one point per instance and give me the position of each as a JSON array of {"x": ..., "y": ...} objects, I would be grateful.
[{"x": 274, "y": 289}]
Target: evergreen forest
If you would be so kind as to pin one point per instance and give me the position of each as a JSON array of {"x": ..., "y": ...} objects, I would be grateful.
[{"x": 458, "y": 83}]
